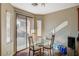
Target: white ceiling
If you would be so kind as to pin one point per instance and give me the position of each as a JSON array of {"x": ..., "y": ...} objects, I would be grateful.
[{"x": 49, "y": 7}]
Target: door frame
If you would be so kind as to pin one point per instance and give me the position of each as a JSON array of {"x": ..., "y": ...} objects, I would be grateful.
[
  {"x": 15, "y": 30},
  {"x": 15, "y": 41}
]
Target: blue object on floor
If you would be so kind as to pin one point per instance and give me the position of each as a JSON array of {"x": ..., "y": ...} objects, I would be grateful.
[{"x": 62, "y": 49}]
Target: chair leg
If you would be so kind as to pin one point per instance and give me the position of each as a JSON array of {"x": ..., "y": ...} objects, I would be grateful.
[
  {"x": 43, "y": 50},
  {"x": 29, "y": 52},
  {"x": 50, "y": 52},
  {"x": 40, "y": 51},
  {"x": 33, "y": 53}
]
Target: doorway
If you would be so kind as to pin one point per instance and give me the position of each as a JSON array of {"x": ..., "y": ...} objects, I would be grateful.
[
  {"x": 21, "y": 23},
  {"x": 24, "y": 28}
]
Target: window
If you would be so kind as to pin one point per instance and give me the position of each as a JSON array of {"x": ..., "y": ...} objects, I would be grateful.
[
  {"x": 32, "y": 25},
  {"x": 30, "y": 28},
  {"x": 8, "y": 37},
  {"x": 39, "y": 27}
]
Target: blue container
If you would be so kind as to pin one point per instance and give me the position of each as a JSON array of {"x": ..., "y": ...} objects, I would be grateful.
[{"x": 62, "y": 49}]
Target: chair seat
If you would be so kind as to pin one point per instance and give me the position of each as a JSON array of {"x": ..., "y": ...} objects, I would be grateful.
[
  {"x": 47, "y": 46},
  {"x": 36, "y": 48}
]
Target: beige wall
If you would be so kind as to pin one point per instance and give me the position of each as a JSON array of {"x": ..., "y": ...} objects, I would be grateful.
[
  {"x": 7, "y": 49},
  {"x": 52, "y": 20}
]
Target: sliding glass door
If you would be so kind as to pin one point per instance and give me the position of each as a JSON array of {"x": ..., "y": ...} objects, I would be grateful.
[
  {"x": 21, "y": 32},
  {"x": 25, "y": 27}
]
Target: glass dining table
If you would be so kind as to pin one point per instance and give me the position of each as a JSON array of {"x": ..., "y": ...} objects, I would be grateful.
[{"x": 42, "y": 43}]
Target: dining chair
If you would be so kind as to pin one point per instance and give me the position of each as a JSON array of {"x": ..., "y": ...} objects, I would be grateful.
[
  {"x": 33, "y": 47},
  {"x": 49, "y": 46}
]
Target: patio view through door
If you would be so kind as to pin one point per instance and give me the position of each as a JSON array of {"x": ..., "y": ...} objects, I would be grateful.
[
  {"x": 21, "y": 32},
  {"x": 25, "y": 26}
]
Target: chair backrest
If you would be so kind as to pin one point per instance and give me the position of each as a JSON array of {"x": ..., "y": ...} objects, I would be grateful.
[
  {"x": 34, "y": 36},
  {"x": 32, "y": 39},
  {"x": 52, "y": 40},
  {"x": 31, "y": 43}
]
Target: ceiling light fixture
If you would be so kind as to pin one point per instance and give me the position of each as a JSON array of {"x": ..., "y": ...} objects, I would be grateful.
[{"x": 37, "y": 4}]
